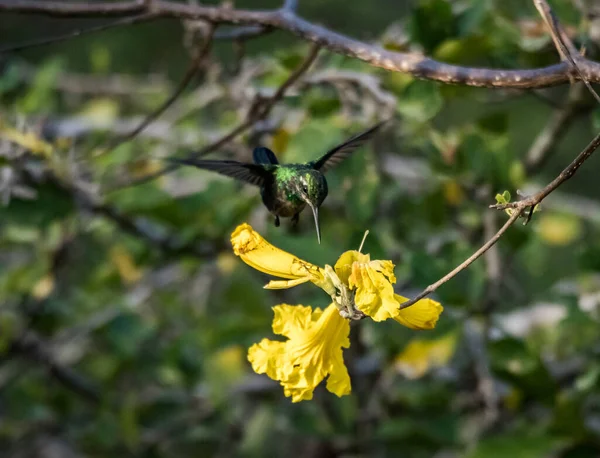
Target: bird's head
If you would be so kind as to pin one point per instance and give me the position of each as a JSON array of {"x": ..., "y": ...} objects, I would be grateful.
[{"x": 311, "y": 186}]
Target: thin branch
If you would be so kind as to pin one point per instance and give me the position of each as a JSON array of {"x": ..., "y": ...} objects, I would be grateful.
[
  {"x": 290, "y": 5},
  {"x": 243, "y": 33},
  {"x": 563, "y": 176},
  {"x": 285, "y": 19},
  {"x": 166, "y": 243},
  {"x": 563, "y": 44},
  {"x": 431, "y": 288},
  {"x": 187, "y": 78},
  {"x": 252, "y": 117},
  {"x": 558, "y": 124},
  {"x": 77, "y": 32},
  {"x": 115, "y": 85},
  {"x": 30, "y": 346},
  {"x": 519, "y": 208}
]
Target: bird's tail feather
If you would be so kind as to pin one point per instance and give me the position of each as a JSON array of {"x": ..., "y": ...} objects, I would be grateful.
[{"x": 262, "y": 155}]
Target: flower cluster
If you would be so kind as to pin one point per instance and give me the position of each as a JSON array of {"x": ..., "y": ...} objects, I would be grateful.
[{"x": 358, "y": 287}]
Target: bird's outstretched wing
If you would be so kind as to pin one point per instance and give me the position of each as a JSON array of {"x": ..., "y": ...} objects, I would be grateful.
[
  {"x": 336, "y": 155},
  {"x": 250, "y": 173}
]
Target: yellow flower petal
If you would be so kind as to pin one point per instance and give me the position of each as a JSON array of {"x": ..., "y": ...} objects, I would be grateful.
[
  {"x": 338, "y": 382},
  {"x": 374, "y": 293},
  {"x": 385, "y": 267},
  {"x": 423, "y": 314},
  {"x": 343, "y": 266},
  {"x": 289, "y": 318},
  {"x": 285, "y": 284},
  {"x": 267, "y": 357},
  {"x": 312, "y": 352},
  {"x": 261, "y": 255}
]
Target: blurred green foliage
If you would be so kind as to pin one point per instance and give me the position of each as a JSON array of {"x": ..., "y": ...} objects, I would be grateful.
[{"x": 159, "y": 337}]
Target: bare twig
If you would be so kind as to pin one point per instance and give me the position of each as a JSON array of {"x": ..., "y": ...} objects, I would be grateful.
[
  {"x": 369, "y": 83},
  {"x": 290, "y": 5},
  {"x": 519, "y": 207},
  {"x": 78, "y": 32},
  {"x": 117, "y": 85},
  {"x": 286, "y": 19},
  {"x": 168, "y": 244},
  {"x": 531, "y": 201},
  {"x": 565, "y": 47},
  {"x": 30, "y": 346},
  {"x": 560, "y": 120},
  {"x": 431, "y": 288},
  {"x": 242, "y": 33},
  {"x": 253, "y": 116},
  {"x": 189, "y": 74}
]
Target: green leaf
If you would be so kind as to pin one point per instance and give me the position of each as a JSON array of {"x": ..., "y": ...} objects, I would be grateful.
[
  {"x": 516, "y": 446},
  {"x": 420, "y": 101},
  {"x": 431, "y": 23}
]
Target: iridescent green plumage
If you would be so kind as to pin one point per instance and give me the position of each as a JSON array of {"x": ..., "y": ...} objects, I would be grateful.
[{"x": 286, "y": 188}]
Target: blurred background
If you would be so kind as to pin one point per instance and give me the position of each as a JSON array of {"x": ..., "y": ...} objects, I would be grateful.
[{"x": 125, "y": 318}]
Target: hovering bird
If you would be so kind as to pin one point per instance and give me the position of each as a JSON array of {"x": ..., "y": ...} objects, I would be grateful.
[{"x": 286, "y": 188}]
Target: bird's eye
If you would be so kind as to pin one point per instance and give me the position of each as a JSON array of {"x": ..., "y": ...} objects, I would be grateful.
[{"x": 305, "y": 188}]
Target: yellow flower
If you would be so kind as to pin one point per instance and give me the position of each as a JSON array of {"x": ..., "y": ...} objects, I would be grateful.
[
  {"x": 315, "y": 338},
  {"x": 355, "y": 283},
  {"x": 372, "y": 282},
  {"x": 420, "y": 356},
  {"x": 312, "y": 352}
]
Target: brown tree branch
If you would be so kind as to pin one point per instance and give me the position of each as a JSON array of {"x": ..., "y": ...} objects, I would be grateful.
[
  {"x": 519, "y": 207},
  {"x": 564, "y": 46},
  {"x": 286, "y": 19},
  {"x": 30, "y": 346},
  {"x": 559, "y": 122},
  {"x": 187, "y": 78},
  {"x": 77, "y": 32},
  {"x": 166, "y": 243},
  {"x": 563, "y": 176},
  {"x": 486, "y": 246},
  {"x": 254, "y": 115}
]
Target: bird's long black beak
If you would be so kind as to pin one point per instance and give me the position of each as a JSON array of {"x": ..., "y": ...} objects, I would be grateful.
[{"x": 315, "y": 211}]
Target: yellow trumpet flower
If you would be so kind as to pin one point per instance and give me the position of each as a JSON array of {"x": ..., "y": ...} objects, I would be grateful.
[
  {"x": 357, "y": 286},
  {"x": 312, "y": 352},
  {"x": 354, "y": 283}
]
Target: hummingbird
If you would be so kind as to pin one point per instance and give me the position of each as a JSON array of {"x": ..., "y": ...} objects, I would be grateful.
[{"x": 286, "y": 189}]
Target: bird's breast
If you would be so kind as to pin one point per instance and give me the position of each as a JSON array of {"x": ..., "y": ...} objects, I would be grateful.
[{"x": 283, "y": 202}]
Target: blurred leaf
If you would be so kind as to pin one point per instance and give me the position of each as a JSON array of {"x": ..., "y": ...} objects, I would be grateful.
[
  {"x": 432, "y": 21},
  {"x": 517, "y": 446},
  {"x": 557, "y": 229},
  {"x": 280, "y": 140},
  {"x": 125, "y": 333},
  {"x": 101, "y": 110},
  {"x": 129, "y": 421},
  {"x": 453, "y": 192},
  {"x": 224, "y": 368},
  {"x": 361, "y": 199},
  {"x": 9, "y": 327},
  {"x": 472, "y": 18},
  {"x": 28, "y": 140},
  {"x": 322, "y": 103},
  {"x": 125, "y": 265},
  {"x": 44, "y": 287},
  {"x": 100, "y": 59},
  {"x": 514, "y": 362},
  {"x": 40, "y": 95},
  {"x": 420, "y": 101}
]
